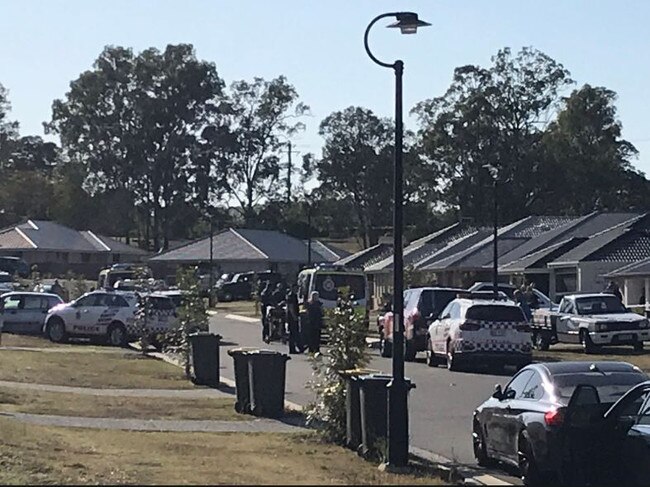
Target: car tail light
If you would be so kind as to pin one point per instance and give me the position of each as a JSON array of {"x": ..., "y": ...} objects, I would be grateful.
[
  {"x": 554, "y": 417},
  {"x": 468, "y": 326},
  {"x": 523, "y": 328}
]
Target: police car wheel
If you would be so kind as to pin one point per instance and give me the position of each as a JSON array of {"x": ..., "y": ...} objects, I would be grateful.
[
  {"x": 587, "y": 344},
  {"x": 432, "y": 360},
  {"x": 116, "y": 335},
  {"x": 453, "y": 364},
  {"x": 56, "y": 330}
]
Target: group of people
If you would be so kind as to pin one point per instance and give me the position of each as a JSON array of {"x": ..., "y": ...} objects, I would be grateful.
[
  {"x": 527, "y": 300},
  {"x": 304, "y": 331}
]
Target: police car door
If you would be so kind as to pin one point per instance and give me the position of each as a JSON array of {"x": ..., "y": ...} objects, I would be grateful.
[
  {"x": 87, "y": 311},
  {"x": 10, "y": 312}
]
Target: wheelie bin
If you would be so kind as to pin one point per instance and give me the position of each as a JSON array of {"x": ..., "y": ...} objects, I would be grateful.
[
  {"x": 267, "y": 379},
  {"x": 205, "y": 358},
  {"x": 353, "y": 406},
  {"x": 374, "y": 413},
  {"x": 242, "y": 387}
]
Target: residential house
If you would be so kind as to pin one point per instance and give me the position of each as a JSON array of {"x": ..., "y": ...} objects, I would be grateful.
[
  {"x": 244, "y": 250},
  {"x": 57, "y": 249}
]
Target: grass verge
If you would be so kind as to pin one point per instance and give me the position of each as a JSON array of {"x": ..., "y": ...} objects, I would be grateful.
[
  {"x": 127, "y": 370},
  {"x": 568, "y": 352},
  {"x": 14, "y": 340},
  {"x": 61, "y": 404},
  {"x": 31, "y": 454}
]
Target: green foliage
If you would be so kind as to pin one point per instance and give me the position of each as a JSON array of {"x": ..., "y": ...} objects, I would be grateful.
[
  {"x": 192, "y": 316},
  {"x": 347, "y": 350}
]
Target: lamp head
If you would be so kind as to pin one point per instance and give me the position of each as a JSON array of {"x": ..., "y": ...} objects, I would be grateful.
[{"x": 408, "y": 22}]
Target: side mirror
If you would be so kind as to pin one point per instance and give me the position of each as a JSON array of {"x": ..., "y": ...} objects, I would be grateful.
[{"x": 498, "y": 393}]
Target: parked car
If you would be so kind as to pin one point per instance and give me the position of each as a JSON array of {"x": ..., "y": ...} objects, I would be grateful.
[
  {"x": 542, "y": 300},
  {"x": 14, "y": 265},
  {"x": 524, "y": 424},
  {"x": 592, "y": 320},
  {"x": 239, "y": 287},
  {"x": 109, "y": 276},
  {"x": 176, "y": 296},
  {"x": 473, "y": 331},
  {"x": 422, "y": 306},
  {"x": 24, "y": 312}
]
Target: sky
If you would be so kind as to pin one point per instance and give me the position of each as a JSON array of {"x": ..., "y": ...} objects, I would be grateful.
[{"x": 318, "y": 46}]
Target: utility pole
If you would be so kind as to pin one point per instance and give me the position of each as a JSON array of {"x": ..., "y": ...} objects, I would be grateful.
[{"x": 289, "y": 170}]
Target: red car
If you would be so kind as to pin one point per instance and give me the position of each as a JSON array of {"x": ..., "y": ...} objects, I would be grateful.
[{"x": 422, "y": 306}]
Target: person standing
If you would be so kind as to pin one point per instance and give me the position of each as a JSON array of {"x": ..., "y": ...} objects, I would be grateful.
[
  {"x": 521, "y": 301},
  {"x": 612, "y": 288},
  {"x": 265, "y": 299},
  {"x": 315, "y": 321},
  {"x": 295, "y": 345}
]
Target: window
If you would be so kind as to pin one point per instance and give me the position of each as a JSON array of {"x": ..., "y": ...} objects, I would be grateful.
[
  {"x": 328, "y": 285},
  {"x": 454, "y": 311},
  {"x": 89, "y": 301},
  {"x": 446, "y": 313},
  {"x": 599, "y": 305},
  {"x": 567, "y": 307},
  {"x": 610, "y": 385},
  {"x": 566, "y": 282},
  {"x": 51, "y": 302},
  {"x": 495, "y": 313},
  {"x": 114, "y": 301},
  {"x": 433, "y": 302},
  {"x": 644, "y": 414},
  {"x": 516, "y": 386},
  {"x": 534, "y": 390},
  {"x": 12, "y": 302},
  {"x": 34, "y": 302}
]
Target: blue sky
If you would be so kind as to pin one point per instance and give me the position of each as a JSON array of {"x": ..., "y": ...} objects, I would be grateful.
[{"x": 318, "y": 46}]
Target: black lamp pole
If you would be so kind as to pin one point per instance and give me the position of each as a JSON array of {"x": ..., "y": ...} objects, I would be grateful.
[
  {"x": 494, "y": 172},
  {"x": 398, "y": 441}
]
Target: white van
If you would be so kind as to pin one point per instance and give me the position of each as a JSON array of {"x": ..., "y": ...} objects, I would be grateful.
[{"x": 473, "y": 331}]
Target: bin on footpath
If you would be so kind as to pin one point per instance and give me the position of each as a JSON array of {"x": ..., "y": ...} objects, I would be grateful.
[
  {"x": 373, "y": 399},
  {"x": 353, "y": 406},
  {"x": 267, "y": 379},
  {"x": 205, "y": 358},
  {"x": 242, "y": 387}
]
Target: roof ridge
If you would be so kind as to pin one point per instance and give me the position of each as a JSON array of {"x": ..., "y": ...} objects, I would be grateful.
[
  {"x": 249, "y": 243},
  {"x": 100, "y": 241},
  {"x": 24, "y": 235}
]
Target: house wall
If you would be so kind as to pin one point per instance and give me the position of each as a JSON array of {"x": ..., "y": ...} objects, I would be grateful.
[
  {"x": 59, "y": 263},
  {"x": 633, "y": 290},
  {"x": 590, "y": 275}
]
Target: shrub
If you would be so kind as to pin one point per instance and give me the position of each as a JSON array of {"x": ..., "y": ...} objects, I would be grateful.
[{"x": 346, "y": 350}]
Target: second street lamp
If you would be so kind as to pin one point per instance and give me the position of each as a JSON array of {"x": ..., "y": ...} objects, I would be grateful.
[
  {"x": 398, "y": 443},
  {"x": 494, "y": 173}
]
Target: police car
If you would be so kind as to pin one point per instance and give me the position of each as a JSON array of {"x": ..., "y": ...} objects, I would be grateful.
[
  {"x": 485, "y": 331},
  {"x": 109, "y": 316}
]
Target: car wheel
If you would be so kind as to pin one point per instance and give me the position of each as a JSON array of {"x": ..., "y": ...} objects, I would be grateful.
[
  {"x": 541, "y": 342},
  {"x": 385, "y": 348},
  {"x": 480, "y": 448},
  {"x": 587, "y": 344},
  {"x": 453, "y": 364},
  {"x": 526, "y": 460},
  {"x": 116, "y": 335},
  {"x": 56, "y": 330},
  {"x": 432, "y": 360},
  {"x": 638, "y": 347}
]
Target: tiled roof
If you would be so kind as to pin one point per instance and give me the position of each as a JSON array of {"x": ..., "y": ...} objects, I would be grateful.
[
  {"x": 540, "y": 258},
  {"x": 328, "y": 252},
  {"x": 602, "y": 246},
  {"x": 367, "y": 257},
  {"x": 640, "y": 268},
  {"x": 453, "y": 247},
  {"x": 539, "y": 225},
  {"x": 47, "y": 235},
  {"x": 423, "y": 247},
  {"x": 245, "y": 245}
]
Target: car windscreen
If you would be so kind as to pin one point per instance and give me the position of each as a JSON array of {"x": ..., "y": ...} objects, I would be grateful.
[
  {"x": 487, "y": 312},
  {"x": 610, "y": 385},
  {"x": 328, "y": 284},
  {"x": 5, "y": 278},
  {"x": 113, "y": 277},
  {"x": 433, "y": 302},
  {"x": 599, "y": 305}
]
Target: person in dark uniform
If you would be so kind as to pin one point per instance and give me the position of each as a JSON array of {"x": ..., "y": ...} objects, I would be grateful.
[
  {"x": 315, "y": 321},
  {"x": 293, "y": 320},
  {"x": 265, "y": 299}
]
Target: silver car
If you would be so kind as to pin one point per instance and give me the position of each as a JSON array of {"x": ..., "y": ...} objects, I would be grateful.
[{"x": 25, "y": 312}]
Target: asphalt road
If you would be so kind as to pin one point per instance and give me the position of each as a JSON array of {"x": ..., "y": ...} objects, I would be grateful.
[{"x": 440, "y": 408}]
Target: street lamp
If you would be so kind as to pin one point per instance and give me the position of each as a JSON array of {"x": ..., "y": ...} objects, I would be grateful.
[
  {"x": 408, "y": 23},
  {"x": 494, "y": 172}
]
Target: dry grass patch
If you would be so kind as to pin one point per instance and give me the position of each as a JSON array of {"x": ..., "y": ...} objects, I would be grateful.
[
  {"x": 243, "y": 308},
  {"x": 101, "y": 370},
  {"x": 31, "y": 454},
  {"x": 62, "y": 404},
  {"x": 569, "y": 352},
  {"x": 14, "y": 340}
]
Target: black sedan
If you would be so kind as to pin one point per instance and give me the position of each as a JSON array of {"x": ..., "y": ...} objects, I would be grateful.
[{"x": 524, "y": 423}]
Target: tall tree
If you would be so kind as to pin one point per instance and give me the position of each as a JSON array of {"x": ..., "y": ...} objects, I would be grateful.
[
  {"x": 259, "y": 118},
  {"x": 8, "y": 129},
  {"x": 493, "y": 116},
  {"x": 588, "y": 161},
  {"x": 135, "y": 121}
]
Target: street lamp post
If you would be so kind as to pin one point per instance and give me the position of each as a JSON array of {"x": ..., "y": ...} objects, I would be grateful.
[
  {"x": 408, "y": 23},
  {"x": 494, "y": 172}
]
